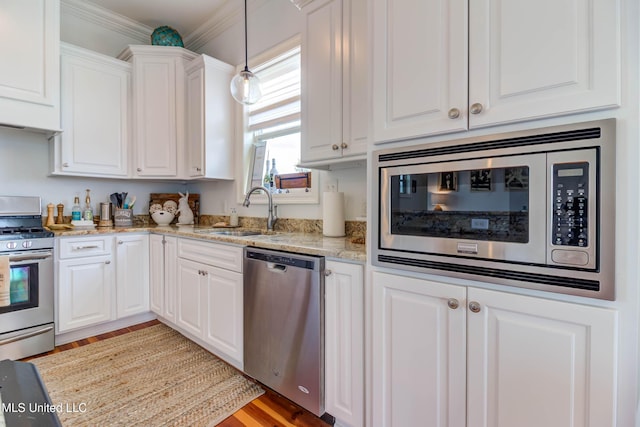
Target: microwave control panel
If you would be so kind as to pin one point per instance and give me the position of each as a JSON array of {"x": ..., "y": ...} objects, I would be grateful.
[{"x": 570, "y": 207}]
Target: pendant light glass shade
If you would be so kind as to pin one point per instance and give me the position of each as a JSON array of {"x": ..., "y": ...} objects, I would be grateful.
[{"x": 245, "y": 87}]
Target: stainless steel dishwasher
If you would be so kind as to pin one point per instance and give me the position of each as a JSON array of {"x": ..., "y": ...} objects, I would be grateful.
[{"x": 284, "y": 324}]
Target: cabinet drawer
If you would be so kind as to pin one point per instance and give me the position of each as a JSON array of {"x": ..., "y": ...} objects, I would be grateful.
[
  {"x": 217, "y": 255},
  {"x": 79, "y": 247}
]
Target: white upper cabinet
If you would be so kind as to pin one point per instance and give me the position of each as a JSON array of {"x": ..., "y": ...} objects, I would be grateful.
[
  {"x": 30, "y": 75},
  {"x": 529, "y": 60},
  {"x": 209, "y": 119},
  {"x": 526, "y": 60},
  {"x": 334, "y": 81},
  {"x": 158, "y": 108},
  {"x": 95, "y": 92},
  {"x": 419, "y": 67}
]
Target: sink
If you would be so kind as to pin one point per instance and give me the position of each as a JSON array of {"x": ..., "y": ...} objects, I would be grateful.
[
  {"x": 236, "y": 232},
  {"x": 239, "y": 233}
]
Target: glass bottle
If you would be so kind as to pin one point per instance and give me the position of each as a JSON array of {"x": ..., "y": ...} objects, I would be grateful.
[
  {"x": 88, "y": 212},
  {"x": 272, "y": 176},
  {"x": 76, "y": 213}
]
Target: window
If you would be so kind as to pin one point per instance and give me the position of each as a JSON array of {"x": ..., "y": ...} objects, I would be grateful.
[{"x": 272, "y": 129}]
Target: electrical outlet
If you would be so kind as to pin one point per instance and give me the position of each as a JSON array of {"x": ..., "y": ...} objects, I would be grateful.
[{"x": 331, "y": 185}]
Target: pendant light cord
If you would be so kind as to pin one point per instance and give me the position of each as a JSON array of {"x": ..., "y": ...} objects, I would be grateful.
[{"x": 246, "y": 45}]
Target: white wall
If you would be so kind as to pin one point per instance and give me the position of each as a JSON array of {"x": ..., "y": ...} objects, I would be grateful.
[{"x": 24, "y": 171}]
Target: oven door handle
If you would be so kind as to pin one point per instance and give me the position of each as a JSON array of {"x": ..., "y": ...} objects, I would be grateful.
[
  {"x": 27, "y": 335},
  {"x": 20, "y": 258}
]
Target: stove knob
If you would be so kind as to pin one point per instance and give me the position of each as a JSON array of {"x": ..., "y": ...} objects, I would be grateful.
[
  {"x": 27, "y": 244},
  {"x": 12, "y": 245}
]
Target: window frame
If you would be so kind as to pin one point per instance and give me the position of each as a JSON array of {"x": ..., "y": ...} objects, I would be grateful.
[{"x": 244, "y": 164}]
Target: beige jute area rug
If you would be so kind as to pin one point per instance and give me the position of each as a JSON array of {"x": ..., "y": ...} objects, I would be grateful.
[{"x": 150, "y": 377}]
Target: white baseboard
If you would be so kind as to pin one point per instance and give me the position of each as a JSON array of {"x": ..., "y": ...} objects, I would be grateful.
[{"x": 102, "y": 328}]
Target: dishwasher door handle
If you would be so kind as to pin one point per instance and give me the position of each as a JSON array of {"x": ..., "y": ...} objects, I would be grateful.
[{"x": 276, "y": 268}]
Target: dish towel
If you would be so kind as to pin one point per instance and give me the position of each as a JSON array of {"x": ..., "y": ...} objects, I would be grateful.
[{"x": 5, "y": 282}]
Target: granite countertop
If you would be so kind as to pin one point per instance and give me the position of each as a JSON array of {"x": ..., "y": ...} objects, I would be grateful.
[{"x": 347, "y": 248}]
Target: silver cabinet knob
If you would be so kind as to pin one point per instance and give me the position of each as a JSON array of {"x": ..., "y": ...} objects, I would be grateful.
[
  {"x": 454, "y": 113},
  {"x": 107, "y": 262},
  {"x": 453, "y": 303},
  {"x": 139, "y": 169},
  {"x": 327, "y": 272},
  {"x": 475, "y": 108},
  {"x": 344, "y": 145},
  {"x": 475, "y": 307},
  {"x": 65, "y": 165},
  {"x": 198, "y": 169},
  {"x": 335, "y": 147}
]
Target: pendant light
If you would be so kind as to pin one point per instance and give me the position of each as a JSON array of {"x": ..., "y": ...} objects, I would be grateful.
[{"x": 245, "y": 86}]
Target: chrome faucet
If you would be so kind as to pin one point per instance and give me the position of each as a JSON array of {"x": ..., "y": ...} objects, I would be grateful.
[{"x": 273, "y": 210}]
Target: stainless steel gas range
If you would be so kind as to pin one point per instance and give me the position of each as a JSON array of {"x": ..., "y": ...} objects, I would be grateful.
[{"x": 26, "y": 317}]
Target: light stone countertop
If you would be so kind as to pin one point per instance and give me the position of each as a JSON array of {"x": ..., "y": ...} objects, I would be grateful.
[{"x": 346, "y": 248}]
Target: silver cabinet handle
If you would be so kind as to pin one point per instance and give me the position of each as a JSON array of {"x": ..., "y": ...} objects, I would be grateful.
[
  {"x": 344, "y": 145},
  {"x": 120, "y": 242},
  {"x": 475, "y": 307},
  {"x": 107, "y": 262},
  {"x": 453, "y": 303},
  {"x": 327, "y": 272},
  {"x": 335, "y": 147},
  {"x": 139, "y": 169},
  {"x": 65, "y": 165},
  {"x": 454, "y": 113},
  {"x": 475, "y": 108},
  {"x": 82, "y": 248}
]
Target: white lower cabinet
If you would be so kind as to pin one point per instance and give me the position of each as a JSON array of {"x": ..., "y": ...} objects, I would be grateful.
[
  {"x": 100, "y": 281},
  {"x": 132, "y": 279},
  {"x": 86, "y": 287},
  {"x": 163, "y": 256},
  {"x": 344, "y": 343},
  {"x": 209, "y": 297},
  {"x": 446, "y": 355}
]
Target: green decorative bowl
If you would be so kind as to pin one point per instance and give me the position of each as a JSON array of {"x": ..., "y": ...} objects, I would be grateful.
[{"x": 166, "y": 36}]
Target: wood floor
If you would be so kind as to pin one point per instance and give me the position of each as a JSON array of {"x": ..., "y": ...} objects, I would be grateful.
[{"x": 270, "y": 409}]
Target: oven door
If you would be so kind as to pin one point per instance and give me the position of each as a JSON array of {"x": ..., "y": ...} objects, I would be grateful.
[
  {"x": 486, "y": 208},
  {"x": 31, "y": 296}
]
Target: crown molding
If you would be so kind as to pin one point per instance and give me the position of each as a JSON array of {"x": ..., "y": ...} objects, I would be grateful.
[
  {"x": 105, "y": 18},
  {"x": 227, "y": 15}
]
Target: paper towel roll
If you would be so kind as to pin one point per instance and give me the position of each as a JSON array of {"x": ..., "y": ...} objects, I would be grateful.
[{"x": 333, "y": 214}]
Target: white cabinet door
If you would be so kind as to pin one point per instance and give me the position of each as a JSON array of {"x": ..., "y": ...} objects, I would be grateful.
[
  {"x": 536, "y": 362},
  {"x": 156, "y": 273},
  {"x": 95, "y": 115},
  {"x": 85, "y": 292},
  {"x": 538, "y": 59},
  {"x": 210, "y": 120},
  {"x": 132, "y": 283},
  {"x": 30, "y": 75},
  {"x": 322, "y": 81},
  {"x": 335, "y": 80},
  {"x": 224, "y": 314},
  {"x": 170, "y": 277},
  {"x": 418, "y": 352},
  {"x": 344, "y": 343},
  {"x": 419, "y": 68},
  {"x": 158, "y": 108},
  {"x": 191, "y": 297}
]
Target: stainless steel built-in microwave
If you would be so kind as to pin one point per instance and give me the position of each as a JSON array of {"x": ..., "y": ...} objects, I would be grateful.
[{"x": 533, "y": 209}]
